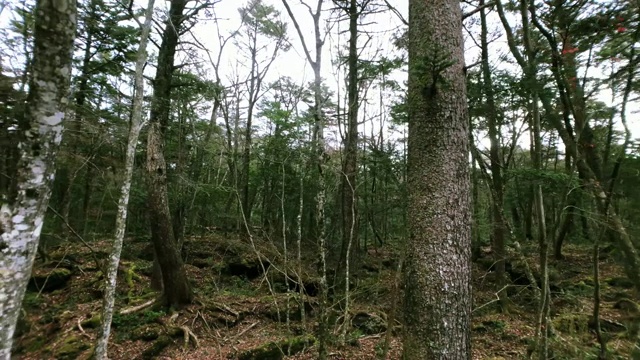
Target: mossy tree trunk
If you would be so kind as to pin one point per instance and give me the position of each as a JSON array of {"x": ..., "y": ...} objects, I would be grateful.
[
  {"x": 437, "y": 275},
  {"x": 22, "y": 217}
]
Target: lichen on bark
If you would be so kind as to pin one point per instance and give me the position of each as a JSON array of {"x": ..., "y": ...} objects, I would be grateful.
[{"x": 22, "y": 217}]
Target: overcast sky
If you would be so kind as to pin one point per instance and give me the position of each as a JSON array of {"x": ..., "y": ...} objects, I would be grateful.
[
  {"x": 383, "y": 25},
  {"x": 294, "y": 64}
]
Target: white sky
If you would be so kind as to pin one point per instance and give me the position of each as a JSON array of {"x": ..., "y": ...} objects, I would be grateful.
[{"x": 293, "y": 63}]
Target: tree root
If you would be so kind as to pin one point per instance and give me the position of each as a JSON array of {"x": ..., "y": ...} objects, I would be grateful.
[
  {"x": 137, "y": 307},
  {"x": 188, "y": 334}
]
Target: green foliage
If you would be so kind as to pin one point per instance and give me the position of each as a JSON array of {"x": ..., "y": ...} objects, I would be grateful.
[{"x": 428, "y": 70}]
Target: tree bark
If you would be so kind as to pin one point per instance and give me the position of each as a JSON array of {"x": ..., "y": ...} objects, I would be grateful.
[
  {"x": 350, "y": 164},
  {"x": 176, "y": 288},
  {"x": 22, "y": 218},
  {"x": 102, "y": 340},
  {"x": 437, "y": 275}
]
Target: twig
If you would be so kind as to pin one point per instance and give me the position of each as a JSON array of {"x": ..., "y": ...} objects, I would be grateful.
[
  {"x": 225, "y": 308},
  {"x": 66, "y": 250},
  {"x": 72, "y": 229},
  {"x": 245, "y": 330},
  {"x": 497, "y": 294}
]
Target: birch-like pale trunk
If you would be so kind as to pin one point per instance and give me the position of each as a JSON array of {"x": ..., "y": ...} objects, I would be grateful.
[
  {"x": 22, "y": 217},
  {"x": 121, "y": 220},
  {"x": 299, "y": 246}
]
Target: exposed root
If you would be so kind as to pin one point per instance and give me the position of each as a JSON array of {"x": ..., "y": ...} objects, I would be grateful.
[
  {"x": 137, "y": 307},
  {"x": 81, "y": 329},
  {"x": 188, "y": 334}
]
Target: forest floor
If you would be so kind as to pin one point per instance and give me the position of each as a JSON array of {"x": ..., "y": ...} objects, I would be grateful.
[{"x": 239, "y": 313}]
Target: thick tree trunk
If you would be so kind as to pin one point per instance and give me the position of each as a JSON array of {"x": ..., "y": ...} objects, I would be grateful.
[
  {"x": 437, "y": 275},
  {"x": 176, "y": 288},
  {"x": 22, "y": 218},
  {"x": 102, "y": 341}
]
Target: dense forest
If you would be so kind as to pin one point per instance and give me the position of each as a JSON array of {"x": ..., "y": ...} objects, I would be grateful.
[{"x": 309, "y": 179}]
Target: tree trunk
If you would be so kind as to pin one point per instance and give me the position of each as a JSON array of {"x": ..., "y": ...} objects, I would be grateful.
[
  {"x": 102, "y": 341},
  {"x": 497, "y": 204},
  {"x": 350, "y": 164},
  {"x": 320, "y": 161},
  {"x": 176, "y": 289},
  {"x": 437, "y": 275},
  {"x": 22, "y": 218}
]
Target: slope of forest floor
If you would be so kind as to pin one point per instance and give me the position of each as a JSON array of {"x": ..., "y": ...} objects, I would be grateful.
[{"x": 241, "y": 314}]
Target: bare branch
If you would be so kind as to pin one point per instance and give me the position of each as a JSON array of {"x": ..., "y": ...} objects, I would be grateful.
[
  {"x": 397, "y": 13},
  {"x": 297, "y": 26},
  {"x": 478, "y": 9}
]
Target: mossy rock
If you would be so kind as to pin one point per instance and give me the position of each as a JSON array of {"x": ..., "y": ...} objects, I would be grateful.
[
  {"x": 93, "y": 322},
  {"x": 369, "y": 324},
  {"x": 50, "y": 281},
  {"x": 147, "y": 332},
  {"x": 158, "y": 346},
  {"x": 70, "y": 348},
  {"x": 278, "y": 350},
  {"x": 621, "y": 282},
  {"x": 628, "y": 306},
  {"x": 34, "y": 344},
  {"x": 572, "y": 323},
  {"x": 578, "y": 288}
]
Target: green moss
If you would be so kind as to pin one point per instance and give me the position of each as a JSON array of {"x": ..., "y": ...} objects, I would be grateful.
[
  {"x": 147, "y": 332},
  {"x": 572, "y": 323},
  {"x": 158, "y": 346},
  {"x": 92, "y": 322},
  {"x": 69, "y": 348},
  {"x": 129, "y": 277},
  {"x": 621, "y": 282},
  {"x": 35, "y": 344},
  {"x": 277, "y": 350},
  {"x": 581, "y": 288}
]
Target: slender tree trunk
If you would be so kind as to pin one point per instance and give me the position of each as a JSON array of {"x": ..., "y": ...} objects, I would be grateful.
[
  {"x": 21, "y": 219},
  {"x": 121, "y": 220},
  {"x": 80, "y": 95},
  {"x": 320, "y": 160},
  {"x": 542, "y": 330},
  {"x": 497, "y": 203},
  {"x": 437, "y": 274},
  {"x": 301, "y": 293},
  {"x": 350, "y": 164}
]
